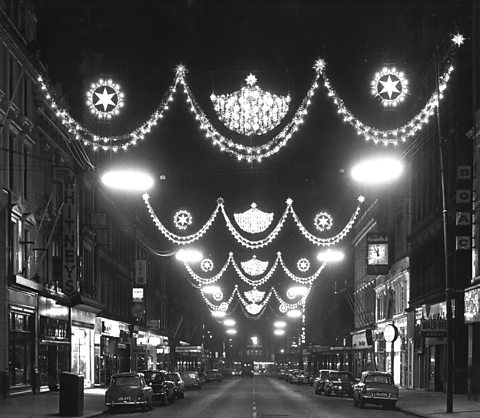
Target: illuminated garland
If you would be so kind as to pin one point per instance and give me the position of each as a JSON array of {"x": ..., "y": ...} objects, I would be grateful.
[
  {"x": 240, "y": 151},
  {"x": 391, "y": 136},
  {"x": 205, "y": 281},
  {"x": 256, "y": 310},
  {"x": 252, "y": 244},
  {"x": 244, "y": 152},
  {"x": 254, "y": 267}
]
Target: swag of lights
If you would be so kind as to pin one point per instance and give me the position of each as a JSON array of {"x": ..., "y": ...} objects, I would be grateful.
[
  {"x": 255, "y": 310},
  {"x": 244, "y": 152},
  {"x": 206, "y": 281},
  {"x": 252, "y": 244}
]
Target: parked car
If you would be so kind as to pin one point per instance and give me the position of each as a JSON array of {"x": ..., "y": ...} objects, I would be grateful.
[
  {"x": 163, "y": 387},
  {"x": 319, "y": 381},
  {"x": 213, "y": 375},
  {"x": 176, "y": 378},
  {"x": 191, "y": 380},
  {"x": 339, "y": 383},
  {"x": 376, "y": 388},
  {"x": 128, "y": 390}
]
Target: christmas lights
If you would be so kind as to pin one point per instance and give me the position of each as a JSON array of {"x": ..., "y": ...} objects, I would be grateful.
[
  {"x": 253, "y": 244},
  {"x": 323, "y": 221},
  {"x": 253, "y": 220},
  {"x": 104, "y": 98},
  {"x": 390, "y": 86},
  {"x": 251, "y": 110},
  {"x": 182, "y": 219},
  {"x": 254, "y": 267}
]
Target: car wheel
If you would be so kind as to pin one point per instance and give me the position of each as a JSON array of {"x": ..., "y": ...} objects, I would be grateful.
[{"x": 182, "y": 395}]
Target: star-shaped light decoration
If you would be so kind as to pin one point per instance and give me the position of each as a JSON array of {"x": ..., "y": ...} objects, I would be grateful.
[
  {"x": 206, "y": 265},
  {"x": 458, "y": 39},
  {"x": 323, "y": 221},
  {"x": 104, "y": 99},
  {"x": 390, "y": 86},
  {"x": 250, "y": 110},
  {"x": 182, "y": 219},
  {"x": 303, "y": 265}
]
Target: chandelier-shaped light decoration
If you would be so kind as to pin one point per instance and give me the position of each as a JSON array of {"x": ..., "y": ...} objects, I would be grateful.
[
  {"x": 253, "y": 244},
  {"x": 390, "y": 86},
  {"x": 323, "y": 221},
  {"x": 254, "y": 295},
  {"x": 182, "y": 219},
  {"x": 105, "y": 98},
  {"x": 253, "y": 220},
  {"x": 251, "y": 110},
  {"x": 254, "y": 267}
]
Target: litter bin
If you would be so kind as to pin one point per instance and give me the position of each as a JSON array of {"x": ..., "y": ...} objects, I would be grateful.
[{"x": 71, "y": 395}]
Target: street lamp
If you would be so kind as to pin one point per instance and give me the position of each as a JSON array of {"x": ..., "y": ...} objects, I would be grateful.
[
  {"x": 229, "y": 322},
  {"x": 188, "y": 255},
  {"x": 128, "y": 180},
  {"x": 330, "y": 255},
  {"x": 378, "y": 170}
]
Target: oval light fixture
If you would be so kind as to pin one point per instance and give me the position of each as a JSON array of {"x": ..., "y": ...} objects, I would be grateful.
[
  {"x": 377, "y": 170},
  {"x": 127, "y": 180}
]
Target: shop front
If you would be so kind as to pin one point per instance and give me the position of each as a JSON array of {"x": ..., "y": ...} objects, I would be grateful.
[
  {"x": 390, "y": 342},
  {"x": 83, "y": 330},
  {"x": 21, "y": 342},
  {"x": 430, "y": 343},
  {"x": 149, "y": 351},
  {"x": 54, "y": 341},
  {"x": 363, "y": 352},
  {"x": 112, "y": 349}
]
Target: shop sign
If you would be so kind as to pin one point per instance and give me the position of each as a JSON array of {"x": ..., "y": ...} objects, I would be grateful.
[
  {"x": 189, "y": 349},
  {"x": 137, "y": 294},
  {"x": 472, "y": 306},
  {"x": 390, "y": 333},
  {"x": 433, "y": 327},
  {"x": 70, "y": 225},
  {"x": 362, "y": 340}
]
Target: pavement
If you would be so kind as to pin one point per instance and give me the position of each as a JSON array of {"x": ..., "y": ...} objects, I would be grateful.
[{"x": 419, "y": 403}]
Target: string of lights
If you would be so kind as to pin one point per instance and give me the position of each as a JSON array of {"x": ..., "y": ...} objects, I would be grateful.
[
  {"x": 252, "y": 244},
  {"x": 277, "y": 141}
]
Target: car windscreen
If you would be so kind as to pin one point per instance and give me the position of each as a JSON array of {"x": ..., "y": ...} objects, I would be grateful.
[
  {"x": 345, "y": 376},
  {"x": 379, "y": 378},
  {"x": 125, "y": 381}
]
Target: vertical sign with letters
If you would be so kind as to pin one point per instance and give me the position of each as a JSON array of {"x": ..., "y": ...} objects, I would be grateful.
[{"x": 70, "y": 225}]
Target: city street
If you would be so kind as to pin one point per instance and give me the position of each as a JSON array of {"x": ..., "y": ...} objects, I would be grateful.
[{"x": 262, "y": 396}]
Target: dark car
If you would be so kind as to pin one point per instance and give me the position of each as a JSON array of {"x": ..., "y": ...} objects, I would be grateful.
[
  {"x": 191, "y": 379},
  {"x": 163, "y": 387},
  {"x": 339, "y": 383},
  {"x": 176, "y": 378},
  {"x": 319, "y": 381},
  {"x": 128, "y": 390},
  {"x": 376, "y": 388},
  {"x": 213, "y": 375}
]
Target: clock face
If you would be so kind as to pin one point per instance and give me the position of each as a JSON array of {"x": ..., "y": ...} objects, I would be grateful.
[{"x": 377, "y": 254}]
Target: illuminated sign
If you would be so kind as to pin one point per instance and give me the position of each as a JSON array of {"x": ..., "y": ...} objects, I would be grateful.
[{"x": 472, "y": 306}]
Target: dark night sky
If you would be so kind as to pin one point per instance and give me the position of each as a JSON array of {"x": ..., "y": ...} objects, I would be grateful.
[{"x": 139, "y": 43}]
